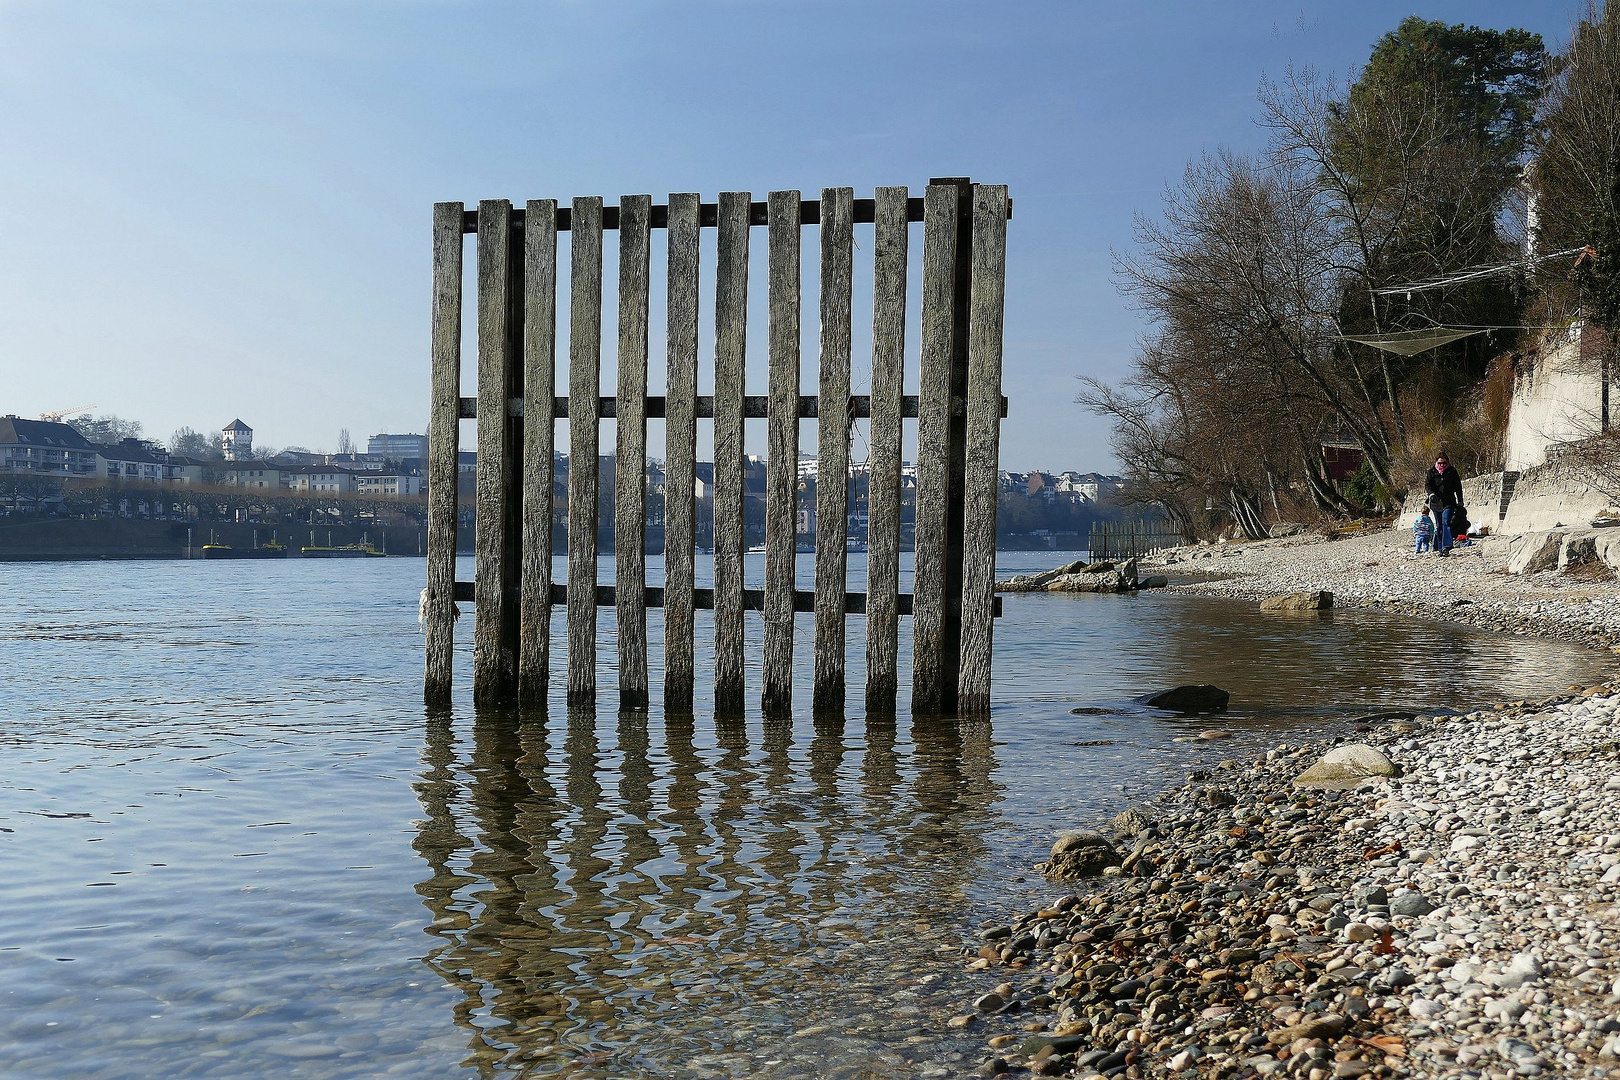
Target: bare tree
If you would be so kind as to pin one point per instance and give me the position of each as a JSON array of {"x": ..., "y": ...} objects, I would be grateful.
[{"x": 345, "y": 444}]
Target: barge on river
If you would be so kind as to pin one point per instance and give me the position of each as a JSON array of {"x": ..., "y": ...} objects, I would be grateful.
[
  {"x": 347, "y": 551},
  {"x": 225, "y": 551}
]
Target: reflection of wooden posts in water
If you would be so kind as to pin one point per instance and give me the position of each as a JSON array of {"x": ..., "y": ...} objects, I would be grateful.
[
  {"x": 573, "y": 916},
  {"x": 958, "y": 407}
]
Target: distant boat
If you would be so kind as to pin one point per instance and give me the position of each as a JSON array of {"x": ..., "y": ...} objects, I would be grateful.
[
  {"x": 757, "y": 549},
  {"x": 348, "y": 551},
  {"x": 852, "y": 544},
  {"x": 225, "y": 551}
]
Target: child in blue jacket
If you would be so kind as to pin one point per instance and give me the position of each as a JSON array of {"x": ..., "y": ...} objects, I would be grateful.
[{"x": 1423, "y": 531}]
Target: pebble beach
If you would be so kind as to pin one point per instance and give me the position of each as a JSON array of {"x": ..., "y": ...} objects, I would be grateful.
[
  {"x": 1459, "y": 917},
  {"x": 1380, "y": 569}
]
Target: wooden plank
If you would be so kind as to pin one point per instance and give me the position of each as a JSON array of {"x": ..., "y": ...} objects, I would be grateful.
[
  {"x": 928, "y": 687},
  {"x": 782, "y": 453},
  {"x": 832, "y": 447},
  {"x": 980, "y": 487},
  {"x": 444, "y": 443},
  {"x": 891, "y": 249},
  {"x": 755, "y": 407},
  {"x": 630, "y": 460},
  {"x": 539, "y": 446},
  {"x": 494, "y": 649},
  {"x": 730, "y": 344},
  {"x": 584, "y": 388},
  {"x": 680, "y": 453},
  {"x": 709, "y": 214},
  {"x": 804, "y": 601}
]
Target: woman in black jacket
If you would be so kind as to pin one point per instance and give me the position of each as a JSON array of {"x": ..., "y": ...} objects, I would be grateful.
[{"x": 1444, "y": 485}]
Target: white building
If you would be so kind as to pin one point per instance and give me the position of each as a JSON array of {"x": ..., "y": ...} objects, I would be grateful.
[
  {"x": 388, "y": 482},
  {"x": 332, "y": 478},
  {"x": 237, "y": 440}
]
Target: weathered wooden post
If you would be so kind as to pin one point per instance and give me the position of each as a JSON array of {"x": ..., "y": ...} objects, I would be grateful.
[
  {"x": 730, "y": 342},
  {"x": 680, "y": 452},
  {"x": 892, "y": 248},
  {"x": 584, "y": 390},
  {"x": 833, "y": 425},
  {"x": 630, "y": 462},
  {"x": 782, "y": 453},
  {"x": 500, "y": 462},
  {"x": 444, "y": 443},
  {"x": 539, "y": 447}
]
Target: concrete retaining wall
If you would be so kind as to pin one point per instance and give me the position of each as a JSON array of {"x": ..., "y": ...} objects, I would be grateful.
[
  {"x": 1555, "y": 496},
  {"x": 1557, "y": 398},
  {"x": 1481, "y": 494}
]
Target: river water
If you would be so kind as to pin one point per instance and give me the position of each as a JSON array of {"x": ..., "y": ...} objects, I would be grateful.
[{"x": 234, "y": 844}]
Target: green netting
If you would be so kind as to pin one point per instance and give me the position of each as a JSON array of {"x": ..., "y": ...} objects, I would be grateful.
[{"x": 1412, "y": 342}]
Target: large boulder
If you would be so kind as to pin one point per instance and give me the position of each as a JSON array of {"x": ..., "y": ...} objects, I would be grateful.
[
  {"x": 1077, "y": 576},
  {"x": 1344, "y": 767},
  {"x": 1578, "y": 549},
  {"x": 1317, "y": 600},
  {"x": 1197, "y": 697},
  {"x": 1080, "y": 853},
  {"x": 1032, "y": 582},
  {"x": 1534, "y": 552}
]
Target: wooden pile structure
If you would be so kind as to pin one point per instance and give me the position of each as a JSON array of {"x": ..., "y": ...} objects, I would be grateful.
[{"x": 958, "y": 409}]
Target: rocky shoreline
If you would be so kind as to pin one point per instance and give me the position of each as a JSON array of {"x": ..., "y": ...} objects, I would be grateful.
[
  {"x": 1380, "y": 570},
  {"x": 1458, "y": 919}
]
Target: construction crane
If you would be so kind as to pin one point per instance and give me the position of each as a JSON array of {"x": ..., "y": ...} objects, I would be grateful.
[{"x": 56, "y": 416}]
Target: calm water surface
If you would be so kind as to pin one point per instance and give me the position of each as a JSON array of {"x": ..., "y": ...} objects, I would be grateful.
[{"x": 235, "y": 845}]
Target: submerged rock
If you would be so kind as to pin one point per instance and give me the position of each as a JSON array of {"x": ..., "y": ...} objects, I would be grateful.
[
  {"x": 1317, "y": 600},
  {"x": 1080, "y": 853},
  {"x": 1197, "y": 697},
  {"x": 1344, "y": 767}
]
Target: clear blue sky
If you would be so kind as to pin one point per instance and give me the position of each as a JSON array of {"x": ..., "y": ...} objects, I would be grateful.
[{"x": 211, "y": 210}]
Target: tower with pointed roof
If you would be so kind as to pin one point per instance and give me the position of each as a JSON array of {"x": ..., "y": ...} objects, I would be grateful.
[{"x": 237, "y": 441}]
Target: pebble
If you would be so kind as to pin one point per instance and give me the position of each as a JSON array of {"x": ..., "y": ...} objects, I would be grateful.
[{"x": 1464, "y": 915}]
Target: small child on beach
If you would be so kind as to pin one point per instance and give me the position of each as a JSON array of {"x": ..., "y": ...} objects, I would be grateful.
[{"x": 1423, "y": 531}]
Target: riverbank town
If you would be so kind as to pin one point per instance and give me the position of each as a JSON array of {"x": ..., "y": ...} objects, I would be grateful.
[{"x": 92, "y": 487}]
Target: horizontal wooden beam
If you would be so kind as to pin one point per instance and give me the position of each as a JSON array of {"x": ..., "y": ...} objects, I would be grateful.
[
  {"x": 709, "y": 214},
  {"x": 754, "y": 407},
  {"x": 753, "y": 599}
]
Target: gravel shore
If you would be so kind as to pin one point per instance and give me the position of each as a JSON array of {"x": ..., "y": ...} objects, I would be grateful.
[
  {"x": 1380, "y": 569},
  {"x": 1459, "y": 919}
]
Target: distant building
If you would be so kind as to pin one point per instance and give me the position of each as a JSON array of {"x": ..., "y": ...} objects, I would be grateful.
[
  {"x": 129, "y": 460},
  {"x": 353, "y": 462},
  {"x": 396, "y": 447},
  {"x": 179, "y": 469},
  {"x": 1342, "y": 457},
  {"x": 253, "y": 474},
  {"x": 394, "y": 482},
  {"x": 330, "y": 478},
  {"x": 237, "y": 441},
  {"x": 45, "y": 447}
]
